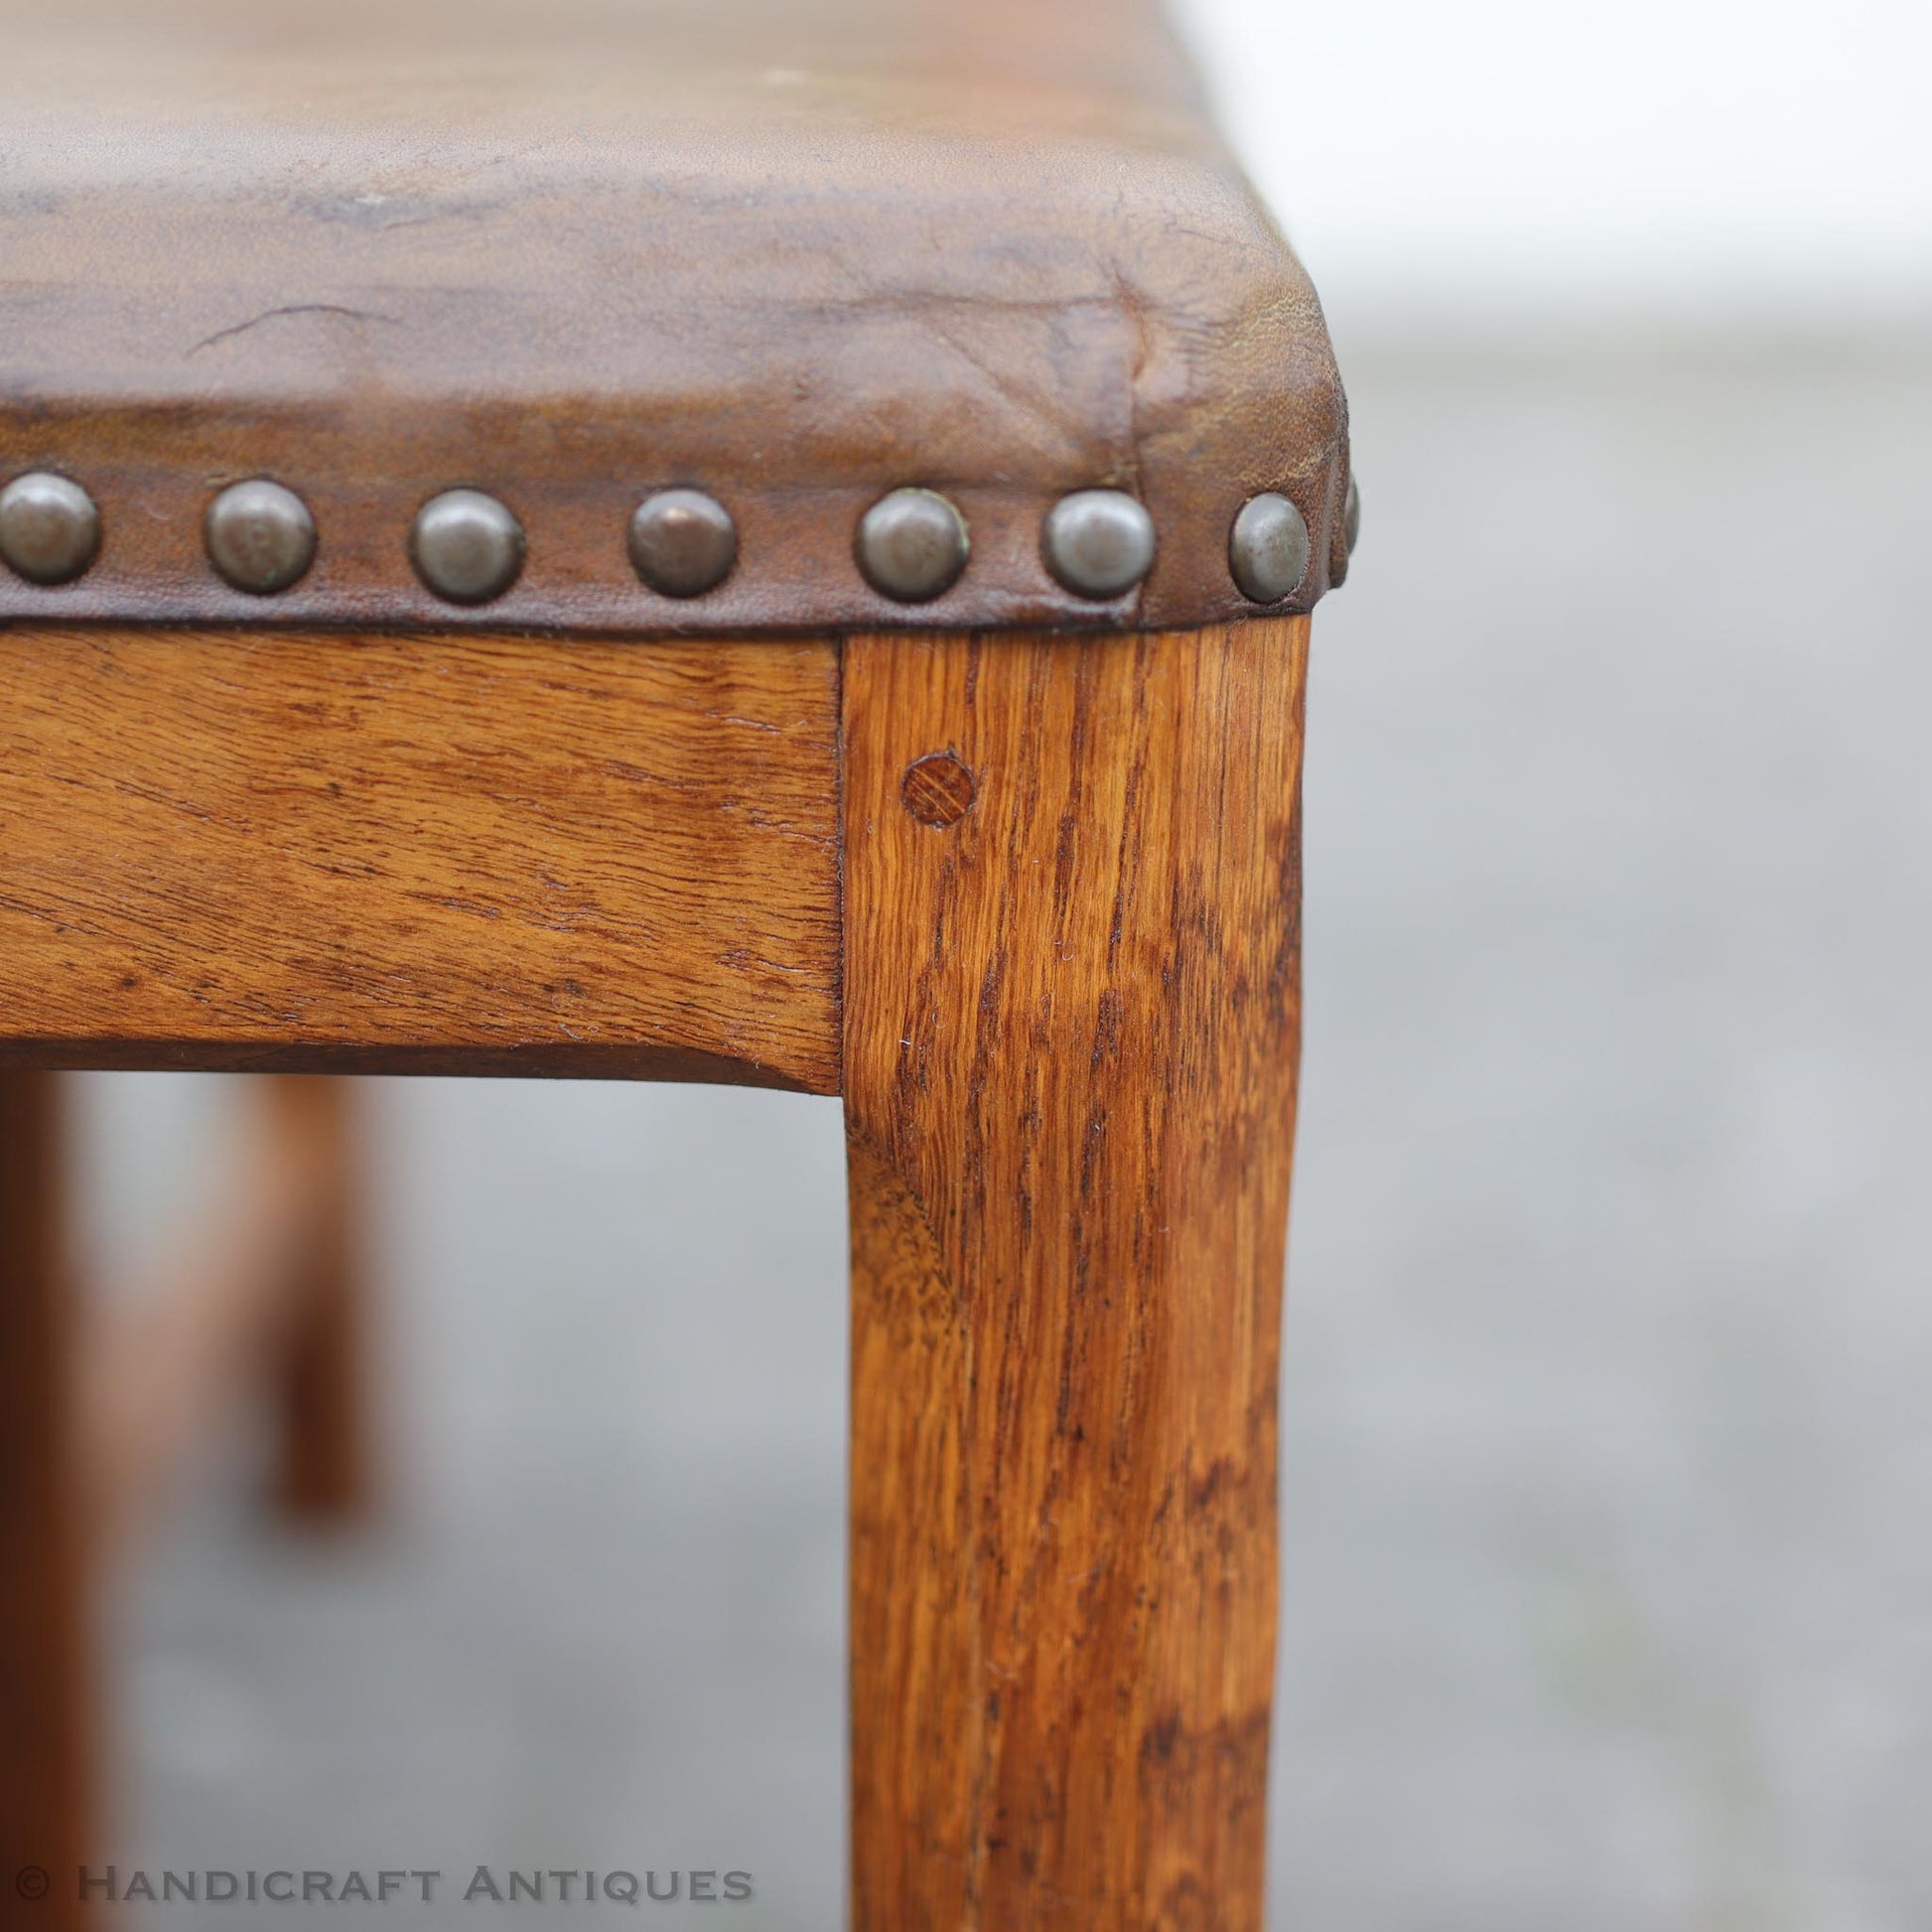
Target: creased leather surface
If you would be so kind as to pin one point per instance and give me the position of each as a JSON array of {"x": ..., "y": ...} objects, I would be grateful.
[{"x": 572, "y": 250}]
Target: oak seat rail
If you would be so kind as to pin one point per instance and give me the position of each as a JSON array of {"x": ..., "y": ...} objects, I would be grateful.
[{"x": 1029, "y": 902}]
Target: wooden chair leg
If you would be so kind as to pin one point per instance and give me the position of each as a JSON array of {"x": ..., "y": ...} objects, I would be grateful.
[
  {"x": 1072, "y": 1011},
  {"x": 45, "y": 1654},
  {"x": 324, "y": 1466}
]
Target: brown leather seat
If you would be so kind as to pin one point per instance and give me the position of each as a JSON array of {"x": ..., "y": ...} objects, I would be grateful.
[{"x": 567, "y": 251}]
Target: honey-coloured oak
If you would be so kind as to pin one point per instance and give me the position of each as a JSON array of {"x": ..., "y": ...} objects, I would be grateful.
[
  {"x": 469, "y": 854},
  {"x": 1030, "y": 901},
  {"x": 1070, "y": 1037}
]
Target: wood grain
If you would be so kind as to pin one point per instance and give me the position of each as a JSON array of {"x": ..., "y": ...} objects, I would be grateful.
[
  {"x": 1071, "y": 1024},
  {"x": 46, "y": 1718},
  {"x": 474, "y": 853}
]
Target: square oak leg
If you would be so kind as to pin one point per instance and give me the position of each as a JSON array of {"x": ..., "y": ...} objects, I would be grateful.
[
  {"x": 45, "y": 1654},
  {"x": 1073, "y": 1007}
]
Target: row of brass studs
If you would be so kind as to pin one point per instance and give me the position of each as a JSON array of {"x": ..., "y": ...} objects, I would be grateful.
[{"x": 468, "y": 548}]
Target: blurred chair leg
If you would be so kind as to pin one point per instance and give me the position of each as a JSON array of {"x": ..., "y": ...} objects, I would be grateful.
[
  {"x": 325, "y": 1467},
  {"x": 46, "y": 1656}
]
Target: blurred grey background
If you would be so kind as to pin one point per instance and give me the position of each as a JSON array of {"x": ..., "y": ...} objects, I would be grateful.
[{"x": 1608, "y": 1403}]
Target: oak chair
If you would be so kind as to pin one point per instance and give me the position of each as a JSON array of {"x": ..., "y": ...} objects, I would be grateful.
[{"x": 750, "y": 542}]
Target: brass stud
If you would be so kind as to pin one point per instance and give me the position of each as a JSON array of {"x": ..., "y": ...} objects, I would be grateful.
[
  {"x": 261, "y": 537},
  {"x": 1099, "y": 543},
  {"x": 683, "y": 542},
  {"x": 1269, "y": 550},
  {"x": 466, "y": 547},
  {"x": 50, "y": 530},
  {"x": 914, "y": 545}
]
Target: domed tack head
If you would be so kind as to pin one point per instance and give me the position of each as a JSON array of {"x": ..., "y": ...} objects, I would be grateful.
[
  {"x": 261, "y": 537},
  {"x": 1099, "y": 543},
  {"x": 914, "y": 545},
  {"x": 466, "y": 547},
  {"x": 1351, "y": 517},
  {"x": 1269, "y": 549},
  {"x": 50, "y": 530},
  {"x": 683, "y": 542}
]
